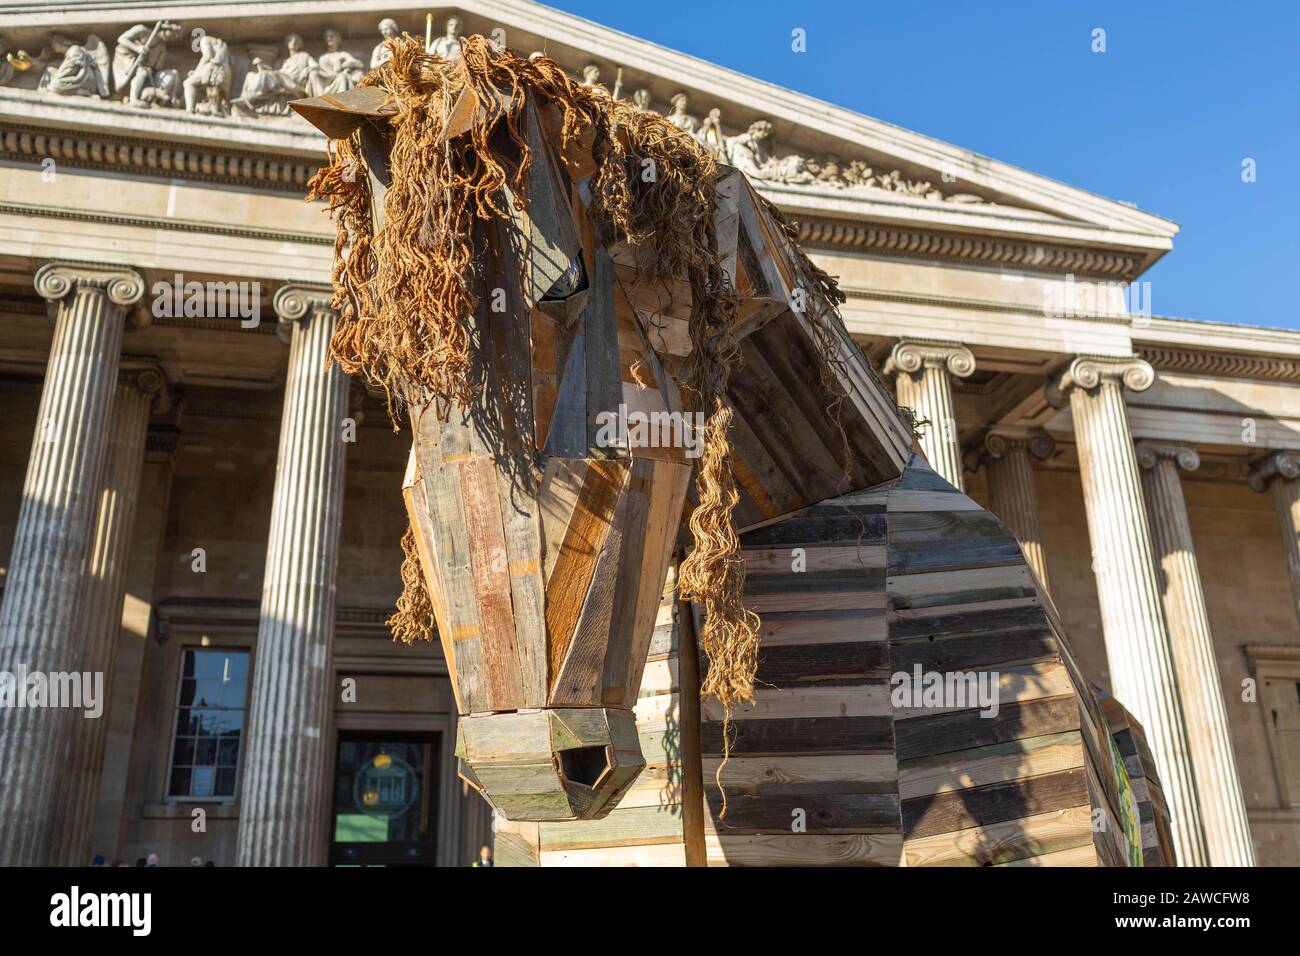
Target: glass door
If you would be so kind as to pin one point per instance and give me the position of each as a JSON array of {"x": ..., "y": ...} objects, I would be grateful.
[{"x": 385, "y": 799}]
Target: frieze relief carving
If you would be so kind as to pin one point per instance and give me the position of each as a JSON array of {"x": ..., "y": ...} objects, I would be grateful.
[{"x": 140, "y": 73}]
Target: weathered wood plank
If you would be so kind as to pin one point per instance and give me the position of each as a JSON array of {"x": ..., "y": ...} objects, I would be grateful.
[
  {"x": 803, "y": 735},
  {"x": 994, "y": 803},
  {"x": 805, "y": 849},
  {"x": 489, "y": 564},
  {"x": 584, "y": 538},
  {"x": 923, "y": 736}
]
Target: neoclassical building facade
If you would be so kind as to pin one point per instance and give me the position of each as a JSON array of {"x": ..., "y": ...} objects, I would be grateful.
[{"x": 189, "y": 507}]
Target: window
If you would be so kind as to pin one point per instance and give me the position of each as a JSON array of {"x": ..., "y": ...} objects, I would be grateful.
[
  {"x": 1277, "y": 668},
  {"x": 1282, "y": 697},
  {"x": 210, "y": 713}
]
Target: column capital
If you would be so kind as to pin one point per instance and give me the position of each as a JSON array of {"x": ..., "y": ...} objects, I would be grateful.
[
  {"x": 1151, "y": 453},
  {"x": 1090, "y": 371},
  {"x": 299, "y": 303},
  {"x": 1001, "y": 440},
  {"x": 911, "y": 355},
  {"x": 1279, "y": 464},
  {"x": 148, "y": 378},
  {"x": 293, "y": 303},
  {"x": 55, "y": 281}
]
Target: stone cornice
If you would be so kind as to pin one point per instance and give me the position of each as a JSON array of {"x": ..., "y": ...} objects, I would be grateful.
[
  {"x": 847, "y": 235},
  {"x": 1225, "y": 364},
  {"x": 911, "y": 355},
  {"x": 1091, "y": 371},
  {"x": 1279, "y": 464},
  {"x": 1150, "y": 454},
  {"x": 203, "y": 162},
  {"x": 57, "y": 280}
]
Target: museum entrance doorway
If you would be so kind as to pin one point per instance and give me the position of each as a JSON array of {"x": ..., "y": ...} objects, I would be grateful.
[{"x": 385, "y": 799}]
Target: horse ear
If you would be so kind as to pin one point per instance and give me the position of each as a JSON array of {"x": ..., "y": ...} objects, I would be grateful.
[{"x": 338, "y": 115}]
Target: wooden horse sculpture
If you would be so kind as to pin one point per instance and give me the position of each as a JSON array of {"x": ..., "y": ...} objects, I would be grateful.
[{"x": 547, "y": 528}]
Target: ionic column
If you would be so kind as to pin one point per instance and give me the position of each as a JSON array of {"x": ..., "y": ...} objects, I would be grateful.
[
  {"x": 1138, "y": 648},
  {"x": 1227, "y": 828},
  {"x": 280, "y": 813},
  {"x": 1006, "y": 454},
  {"x": 103, "y": 589},
  {"x": 923, "y": 371},
  {"x": 1279, "y": 475},
  {"x": 52, "y": 540}
]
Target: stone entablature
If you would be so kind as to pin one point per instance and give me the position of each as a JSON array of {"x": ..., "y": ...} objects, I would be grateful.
[{"x": 147, "y": 67}]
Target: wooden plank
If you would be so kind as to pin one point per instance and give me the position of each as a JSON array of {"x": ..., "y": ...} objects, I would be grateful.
[
  {"x": 639, "y": 826},
  {"x": 1004, "y": 842},
  {"x": 579, "y": 678},
  {"x": 805, "y": 849},
  {"x": 561, "y": 485},
  {"x": 552, "y": 240},
  {"x": 804, "y": 773},
  {"x": 489, "y": 564},
  {"x": 1023, "y": 616},
  {"x": 583, "y": 540},
  {"x": 786, "y": 664},
  {"x": 656, "y": 854},
  {"x": 1021, "y": 683},
  {"x": 622, "y": 639},
  {"x": 973, "y": 651},
  {"x": 778, "y": 629},
  {"x": 935, "y": 541},
  {"x": 814, "y": 560},
  {"x": 604, "y": 389},
  {"x": 567, "y": 436},
  {"x": 654, "y": 597},
  {"x": 962, "y": 586},
  {"x": 850, "y": 525},
  {"x": 808, "y": 735},
  {"x": 923, "y": 736},
  {"x": 995, "y": 803},
  {"x": 1085, "y": 855},
  {"x": 818, "y": 812},
  {"x": 691, "y": 769},
  {"x": 855, "y": 699},
  {"x": 447, "y": 519}
]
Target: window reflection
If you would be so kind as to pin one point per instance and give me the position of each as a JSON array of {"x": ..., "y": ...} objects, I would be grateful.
[{"x": 209, "y": 728}]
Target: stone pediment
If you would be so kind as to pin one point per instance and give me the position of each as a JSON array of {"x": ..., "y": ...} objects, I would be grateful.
[{"x": 223, "y": 72}]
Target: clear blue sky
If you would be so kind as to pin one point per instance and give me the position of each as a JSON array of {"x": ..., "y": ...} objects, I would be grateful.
[{"x": 1184, "y": 92}]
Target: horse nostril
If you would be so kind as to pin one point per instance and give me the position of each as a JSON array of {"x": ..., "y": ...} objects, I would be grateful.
[{"x": 584, "y": 765}]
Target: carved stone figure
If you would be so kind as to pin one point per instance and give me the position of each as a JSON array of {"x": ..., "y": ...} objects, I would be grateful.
[
  {"x": 641, "y": 100},
  {"x": 751, "y": 153},
  {"x": 300, "y": 68},
  {"x": 338, "y": 66},
  {"x": 267, "y": 89},
  {"x": 591, "y": 75},
  {"x": 447, "y": 46},
  {"x": 138, "y": 71},
  {"x": 83, "y": 71},
  {"x": 828, "y": 171},
  {"x": 678, "y": 115},
  {"x": 381, "y": 54},
  {"x": 207, "y": 86},
  {"x": 711, "y": 136}
]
